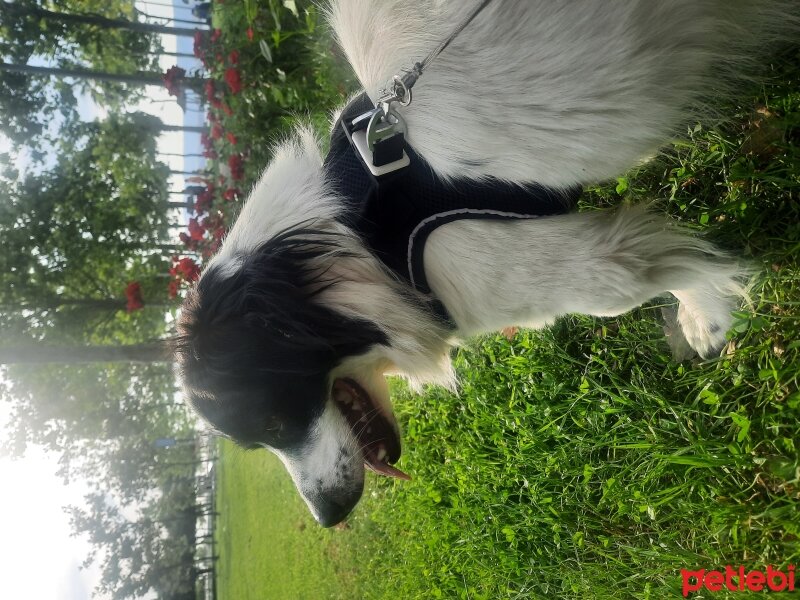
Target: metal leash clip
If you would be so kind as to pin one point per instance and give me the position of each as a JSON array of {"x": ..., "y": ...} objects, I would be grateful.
[
  {"x": 400, "y": 88},
  {"x": 379, "y": 134}
]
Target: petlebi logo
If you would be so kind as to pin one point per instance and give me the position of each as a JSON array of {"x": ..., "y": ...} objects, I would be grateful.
[{"x": 738, "y": 579}]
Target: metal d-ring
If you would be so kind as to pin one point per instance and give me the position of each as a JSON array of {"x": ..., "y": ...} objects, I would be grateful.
[
  {"x": 402, "y": 93},
  {"x": 385, "y": 122}
]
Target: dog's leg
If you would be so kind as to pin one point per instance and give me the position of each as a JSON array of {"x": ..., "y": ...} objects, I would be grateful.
[{"x": 491, "y": 274}]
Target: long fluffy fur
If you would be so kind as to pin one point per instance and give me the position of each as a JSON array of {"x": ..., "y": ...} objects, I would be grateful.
[
  {"x": 558, "y": 93},
  {"x": 555, "y": 92}
]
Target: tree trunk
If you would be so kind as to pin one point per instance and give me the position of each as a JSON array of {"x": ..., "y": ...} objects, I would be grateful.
[
  {"x": 174, "y": 20},
  {"x": 172, "y": 248},
  {"x": 93, "y": 19},
  {"x": 180, "y": 155},
  {"x": 38, "y": 354},
  {"x": 175, "y": 54},
  {"x": 98, "y": 304},
  {"x": 180, "y": 205},
  {"x": 141, "y": 78},
  {"x": 192, "y": 128}
]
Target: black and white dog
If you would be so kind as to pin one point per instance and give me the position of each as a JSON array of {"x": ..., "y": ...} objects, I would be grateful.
[{"x": 327, "y": 282}]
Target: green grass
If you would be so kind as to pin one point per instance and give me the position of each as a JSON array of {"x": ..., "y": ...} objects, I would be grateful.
[
  {"x": 269, "y": 545},
  {"x": 581, "y": 461}
]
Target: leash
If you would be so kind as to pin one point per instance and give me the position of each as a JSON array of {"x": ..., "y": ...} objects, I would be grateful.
[
  {"x": 379, "y": 134},
  {"x": 401, "y": 85}
]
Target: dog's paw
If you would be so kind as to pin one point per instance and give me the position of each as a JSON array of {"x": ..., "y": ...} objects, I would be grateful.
[
  {"x": 678, "y": 345},
  {"x": 704, "y": 330}
]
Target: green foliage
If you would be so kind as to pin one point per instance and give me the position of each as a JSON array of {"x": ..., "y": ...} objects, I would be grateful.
[
  {"x": 154, "y": 550},
  {"x": 289, "y": 69},
  {"x": 81, "y": 231},
  {"x": 30, "y": 103}
]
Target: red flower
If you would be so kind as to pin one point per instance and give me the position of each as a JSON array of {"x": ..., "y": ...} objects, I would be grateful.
[
  {"x": 172, "y": 288},
  {"x": 233, "y": 79},
  {"x": 213, "y": 221},
  {"x": 210, "y": 154},
  {"x": 231, "y": 138},
  {"x": 204, "y": 199},
  {"x": 215, "y": 35},
  {"x": 250, "y": 33},
  {"x": 133, "y": 292},
  {"x": 236, "y": 165},
  {"x": 232, "y": 194},
  {"x": 185, "y": 268},
  {"x": 233, "y": 57},
  {"x": 216, "y": 131},
  {"x": 211, "y": 94},
  {"x": 199, "y": 42},
  {"x": 209, "y": 89},
  {"x": 188, "y": 241},
  {"x": 172, "y": 80},
  {"x": 226, "y": 109},
  {"x": 196, "y": 230}
]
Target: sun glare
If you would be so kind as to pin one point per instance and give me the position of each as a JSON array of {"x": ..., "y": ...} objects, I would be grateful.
[{"x": 39, "y": 558}]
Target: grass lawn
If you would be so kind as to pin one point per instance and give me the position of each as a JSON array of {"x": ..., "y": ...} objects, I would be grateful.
[
  {"x": 581, "y": 461},
  {"x": 269, "y": 545}
]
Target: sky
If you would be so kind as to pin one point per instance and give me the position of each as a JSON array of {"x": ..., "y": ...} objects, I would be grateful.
[
  {"x": 36, "y": 532},
  {"x": 38, "y": 558}
]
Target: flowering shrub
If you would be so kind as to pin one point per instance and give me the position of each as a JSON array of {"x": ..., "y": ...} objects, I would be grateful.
[
  {"x": 172, "y": 80},
  {"x": 183, "y": 271},
  {"x": 264, "y": 63},
  {"x": 133, "y": 292}
]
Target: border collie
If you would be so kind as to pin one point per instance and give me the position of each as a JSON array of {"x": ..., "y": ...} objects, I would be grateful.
[{"x": 333, "y": 277}]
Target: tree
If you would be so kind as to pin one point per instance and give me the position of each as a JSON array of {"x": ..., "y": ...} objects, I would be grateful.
[
  {"x": 152, "y": 553},
  {"x": 80, "y": 409},
  {"x": 85, "y": 228},
  {"x": 32, "y": 105},
  {"x": 33, "y": 10},
  {"x": 40, "y": 354}
]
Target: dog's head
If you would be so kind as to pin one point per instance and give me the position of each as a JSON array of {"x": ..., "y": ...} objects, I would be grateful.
[{"x": 285, "y": 339}]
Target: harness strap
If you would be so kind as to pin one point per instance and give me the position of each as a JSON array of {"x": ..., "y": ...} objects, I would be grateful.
[{"x": 396, "y": 213}]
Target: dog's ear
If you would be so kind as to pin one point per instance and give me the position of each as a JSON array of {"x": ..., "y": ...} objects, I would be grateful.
[
  {"x": 256, "y": 333},
  {"x": 274, "y": 294}
]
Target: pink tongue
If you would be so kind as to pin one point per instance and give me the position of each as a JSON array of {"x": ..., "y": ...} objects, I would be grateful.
[{"x": 383, "y": 468}]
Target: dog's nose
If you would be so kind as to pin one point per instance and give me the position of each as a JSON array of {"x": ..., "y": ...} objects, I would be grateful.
[{"x": 329, "y": 512}]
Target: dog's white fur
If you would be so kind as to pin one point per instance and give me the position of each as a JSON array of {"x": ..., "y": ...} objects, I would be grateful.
[
  {"x": 554, "y": 92},
  {"x": 590, "y": 263}
]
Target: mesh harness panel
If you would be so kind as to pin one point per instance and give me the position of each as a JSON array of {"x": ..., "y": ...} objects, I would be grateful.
[{"x": 396, "y": 213}]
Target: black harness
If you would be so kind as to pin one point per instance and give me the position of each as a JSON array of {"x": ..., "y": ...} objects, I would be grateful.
[{"x": 395, "y": 213}]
